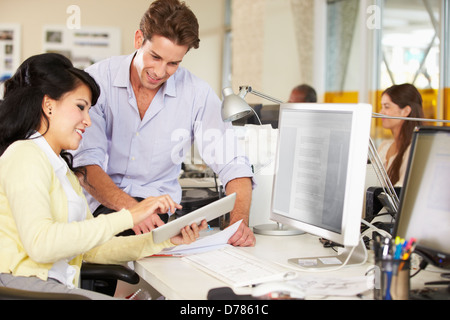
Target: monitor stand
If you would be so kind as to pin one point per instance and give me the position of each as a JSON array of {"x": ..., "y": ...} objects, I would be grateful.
[
  {"x": 347, "y": 256},
  {"x": 276, "y": 229}
]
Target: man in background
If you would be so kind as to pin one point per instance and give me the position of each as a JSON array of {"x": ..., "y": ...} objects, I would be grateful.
[{"x": 303, "y": 93}]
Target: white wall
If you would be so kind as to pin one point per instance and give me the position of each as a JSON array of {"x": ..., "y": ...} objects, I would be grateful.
[
  {"x": 273, "y": 44},
  {"x": 32, "y": 15},
  {"x": 279, "y": 67}
]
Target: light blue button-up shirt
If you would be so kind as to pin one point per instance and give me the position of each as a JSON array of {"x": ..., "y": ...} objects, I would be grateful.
[{"x": 143, "y": 157}]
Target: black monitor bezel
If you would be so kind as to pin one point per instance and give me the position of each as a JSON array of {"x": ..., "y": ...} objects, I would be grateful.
[{"x": 435, "y": 257}]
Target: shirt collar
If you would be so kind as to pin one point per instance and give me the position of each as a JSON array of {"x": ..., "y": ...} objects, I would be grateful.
[
  {"x": 169, "y": 87},
  {"x": 58, "y": 164},
  {"x": 122, "y": 78}
]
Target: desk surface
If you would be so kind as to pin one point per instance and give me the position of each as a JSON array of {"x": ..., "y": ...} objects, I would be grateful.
[{"x": 178, "y": 280}]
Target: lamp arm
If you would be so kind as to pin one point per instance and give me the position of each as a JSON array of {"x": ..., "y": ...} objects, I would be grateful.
[
  {"x": 373, "y": 153},
  {"x": 249, "y": 89},
  {"x": 378, "y": 165},
  {"x": 379, "y": 115},
  {"x": 382, "y": 175},
  {"x": 243, "y": 90}
]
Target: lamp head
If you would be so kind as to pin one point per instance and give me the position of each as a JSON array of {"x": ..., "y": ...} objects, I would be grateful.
[{"x": 233, "y": 106}]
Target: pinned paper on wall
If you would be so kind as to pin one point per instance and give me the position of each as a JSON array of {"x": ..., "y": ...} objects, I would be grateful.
[
  {"x": 10, "y": 35},
  {"x": 83, "y": 46}
]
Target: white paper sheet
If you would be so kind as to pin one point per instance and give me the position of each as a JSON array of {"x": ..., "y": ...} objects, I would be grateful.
[
  {"x": 315, "y": 286},
  {"x": 204, "y": 243}
]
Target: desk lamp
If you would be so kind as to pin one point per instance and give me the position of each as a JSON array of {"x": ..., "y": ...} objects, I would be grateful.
[{"x": 234, "y": 107}]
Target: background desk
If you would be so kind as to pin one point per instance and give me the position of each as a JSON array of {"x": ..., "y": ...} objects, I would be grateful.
[{"x": 178, "y": 280}]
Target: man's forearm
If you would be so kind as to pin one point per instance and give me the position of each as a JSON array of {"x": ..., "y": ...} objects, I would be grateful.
[
  {"x": 243, "y": 189},
  {"x": 104, "y": 190}
]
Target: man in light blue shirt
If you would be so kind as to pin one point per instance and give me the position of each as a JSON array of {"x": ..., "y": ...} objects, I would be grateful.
[{"x": 149, "y": 112}]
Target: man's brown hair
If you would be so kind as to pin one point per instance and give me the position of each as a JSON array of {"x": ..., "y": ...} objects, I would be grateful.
[{"x": 173, "y": 20}]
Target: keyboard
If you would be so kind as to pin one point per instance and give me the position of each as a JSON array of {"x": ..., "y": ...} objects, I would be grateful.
[{"x": 237, "y": 268}]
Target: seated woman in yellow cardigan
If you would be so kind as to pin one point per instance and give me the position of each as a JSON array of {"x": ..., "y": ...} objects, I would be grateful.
[{"x": 46, "y": 228}]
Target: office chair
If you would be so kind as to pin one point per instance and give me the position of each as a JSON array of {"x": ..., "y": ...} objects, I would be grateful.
[
  {"x": 103, "y": 278},
  {"x": 95, "y": 277},
  {"x": 16, "y": 294},
  {"x": 373, "y": 202}
]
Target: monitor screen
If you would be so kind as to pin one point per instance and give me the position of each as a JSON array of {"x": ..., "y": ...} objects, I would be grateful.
[
  {"x": 424, "y": 212},
  {"x": 320, "y": 169}
]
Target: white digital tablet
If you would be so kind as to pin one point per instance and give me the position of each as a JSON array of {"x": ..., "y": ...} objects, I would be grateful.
[{"x": 207, "y": 212}]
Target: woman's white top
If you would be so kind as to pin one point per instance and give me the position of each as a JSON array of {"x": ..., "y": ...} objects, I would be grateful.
[{"x": 61, "y": 270}]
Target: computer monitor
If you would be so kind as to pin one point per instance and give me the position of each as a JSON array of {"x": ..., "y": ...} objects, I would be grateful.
[
  {"x": 424, "y": 211},
  {"x": 320, "y": 174}
]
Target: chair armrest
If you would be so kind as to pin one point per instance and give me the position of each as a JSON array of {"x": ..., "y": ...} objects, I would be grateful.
[{"x": 91, "y": 271}]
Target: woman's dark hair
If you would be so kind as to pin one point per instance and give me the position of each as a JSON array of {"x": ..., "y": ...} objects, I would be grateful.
[
  {"x": 173, "y": 20},
  {"x": 48, "y": 74},
  {"x": 404, "y": 95}
]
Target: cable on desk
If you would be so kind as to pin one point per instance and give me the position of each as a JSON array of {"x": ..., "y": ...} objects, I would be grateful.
[
  {"x": 371, "y": 227},
  {"x": 422, "y": 266}
]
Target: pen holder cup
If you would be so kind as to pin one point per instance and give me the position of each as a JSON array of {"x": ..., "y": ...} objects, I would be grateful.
[{"x": 392, "y": 279}]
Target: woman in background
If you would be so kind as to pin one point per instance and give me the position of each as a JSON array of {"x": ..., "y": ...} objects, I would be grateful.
[
  {"x": 402, "y": 100},
  {"x": 46, "y": 228}
]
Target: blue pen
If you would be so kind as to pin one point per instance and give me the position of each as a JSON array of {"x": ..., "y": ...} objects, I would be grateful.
[
  {"x": 387, "y": 268},
  {"x": 398, "y": 251},
  {"x": 388, "y": 281},
  {"x": 404, "y": 246}
]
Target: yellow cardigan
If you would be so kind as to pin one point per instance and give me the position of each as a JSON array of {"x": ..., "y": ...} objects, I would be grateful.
[{"x": 34, "y": 232}]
